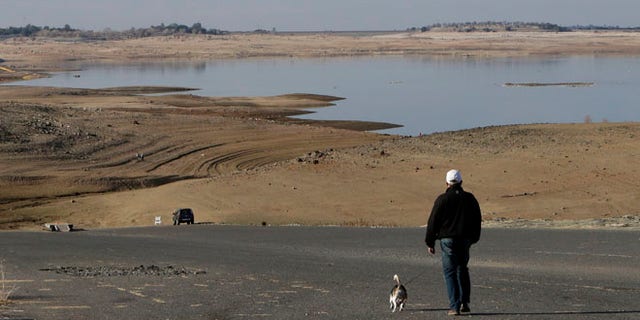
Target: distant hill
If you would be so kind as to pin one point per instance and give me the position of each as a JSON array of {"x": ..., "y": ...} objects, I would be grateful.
[{"x": 495, "y": 26}]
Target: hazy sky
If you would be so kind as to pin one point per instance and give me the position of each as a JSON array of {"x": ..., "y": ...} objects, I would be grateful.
[{"x": 315, "y": 15}]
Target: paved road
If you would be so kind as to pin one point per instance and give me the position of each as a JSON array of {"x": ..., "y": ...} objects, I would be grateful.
[{"x": 313, "y": 273}]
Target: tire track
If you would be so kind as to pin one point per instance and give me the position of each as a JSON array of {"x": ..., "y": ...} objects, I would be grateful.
[
  {"x": 214, "y": 165},
  {"x": 182, "y": 155},
  {"x": 127, "y": 159},
  {"x": 259, "y": 162}
]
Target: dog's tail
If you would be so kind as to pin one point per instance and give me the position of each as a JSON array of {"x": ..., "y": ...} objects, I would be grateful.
[{"x": 396, "y": 278}]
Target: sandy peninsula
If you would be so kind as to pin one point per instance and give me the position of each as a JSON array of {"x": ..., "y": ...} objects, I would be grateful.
[{"x": 116, "y": 158}]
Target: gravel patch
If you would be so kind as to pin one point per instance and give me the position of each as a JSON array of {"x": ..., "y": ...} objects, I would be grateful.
[{"x": 114, "y": 271}]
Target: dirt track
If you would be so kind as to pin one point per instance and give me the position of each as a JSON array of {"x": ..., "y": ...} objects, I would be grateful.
[{"x": 75, "y": 154}]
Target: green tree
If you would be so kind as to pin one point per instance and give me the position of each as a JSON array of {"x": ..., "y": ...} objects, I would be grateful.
[{"x": 196, "y": 28}]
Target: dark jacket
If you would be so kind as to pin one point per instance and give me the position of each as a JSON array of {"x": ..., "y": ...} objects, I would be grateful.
[{"x": 455, "y": 214}]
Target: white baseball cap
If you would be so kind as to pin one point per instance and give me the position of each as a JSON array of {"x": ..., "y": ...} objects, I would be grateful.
[{"x": 453, "y": 176}]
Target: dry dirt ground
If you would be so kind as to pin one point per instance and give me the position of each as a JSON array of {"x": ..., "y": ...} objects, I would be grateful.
[{"x": 112, "y": 157}]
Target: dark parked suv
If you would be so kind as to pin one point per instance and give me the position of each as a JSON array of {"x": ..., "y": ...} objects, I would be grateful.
[{"x": 183, "y": 215}]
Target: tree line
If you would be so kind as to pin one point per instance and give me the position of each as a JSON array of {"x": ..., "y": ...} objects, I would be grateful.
[
  {"x": 30, "y": 30},
  {"x": 107, "y": 34},
  {"x": 176, "y": 29}
]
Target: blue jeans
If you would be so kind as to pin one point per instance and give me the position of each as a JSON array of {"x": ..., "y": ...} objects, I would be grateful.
[{"x": 455, "y": 256}]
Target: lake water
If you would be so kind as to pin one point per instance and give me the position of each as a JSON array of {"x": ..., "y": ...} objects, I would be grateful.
[{"x": 423, "y": 94}]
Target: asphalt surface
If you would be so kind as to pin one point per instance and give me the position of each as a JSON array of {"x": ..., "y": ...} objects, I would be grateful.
[{"x": 233, "y": 272}]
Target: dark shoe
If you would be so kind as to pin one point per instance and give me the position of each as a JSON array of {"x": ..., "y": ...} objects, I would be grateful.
[
  {"x": 464, "y": 308},
  {"x": 453, "y": 312}
]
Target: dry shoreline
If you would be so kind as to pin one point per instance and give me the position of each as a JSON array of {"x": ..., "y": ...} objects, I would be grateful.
[
  {"x": 68, "y": 154},
  {"x": 36, "y": 54}
]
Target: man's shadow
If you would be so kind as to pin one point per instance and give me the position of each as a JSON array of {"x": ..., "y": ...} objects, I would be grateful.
[
  {"x": 423, "y": 309},
  {"x": 556, "y": 313},
  {"x": 551, "y": 313}
]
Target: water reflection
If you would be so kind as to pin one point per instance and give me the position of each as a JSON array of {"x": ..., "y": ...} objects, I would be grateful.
[{"x": 425, "y": 94}]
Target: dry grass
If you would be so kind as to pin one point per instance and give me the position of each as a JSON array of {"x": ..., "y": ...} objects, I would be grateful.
[
  {"x": 361, "y": 222},
  {"x": 5, "y": 290}
]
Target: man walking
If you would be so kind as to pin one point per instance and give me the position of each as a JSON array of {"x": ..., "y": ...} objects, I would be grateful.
[{"x": 456, "y": 221}]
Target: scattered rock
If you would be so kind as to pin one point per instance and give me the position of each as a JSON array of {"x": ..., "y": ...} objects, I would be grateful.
[{"x": 314, "y": 157}]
